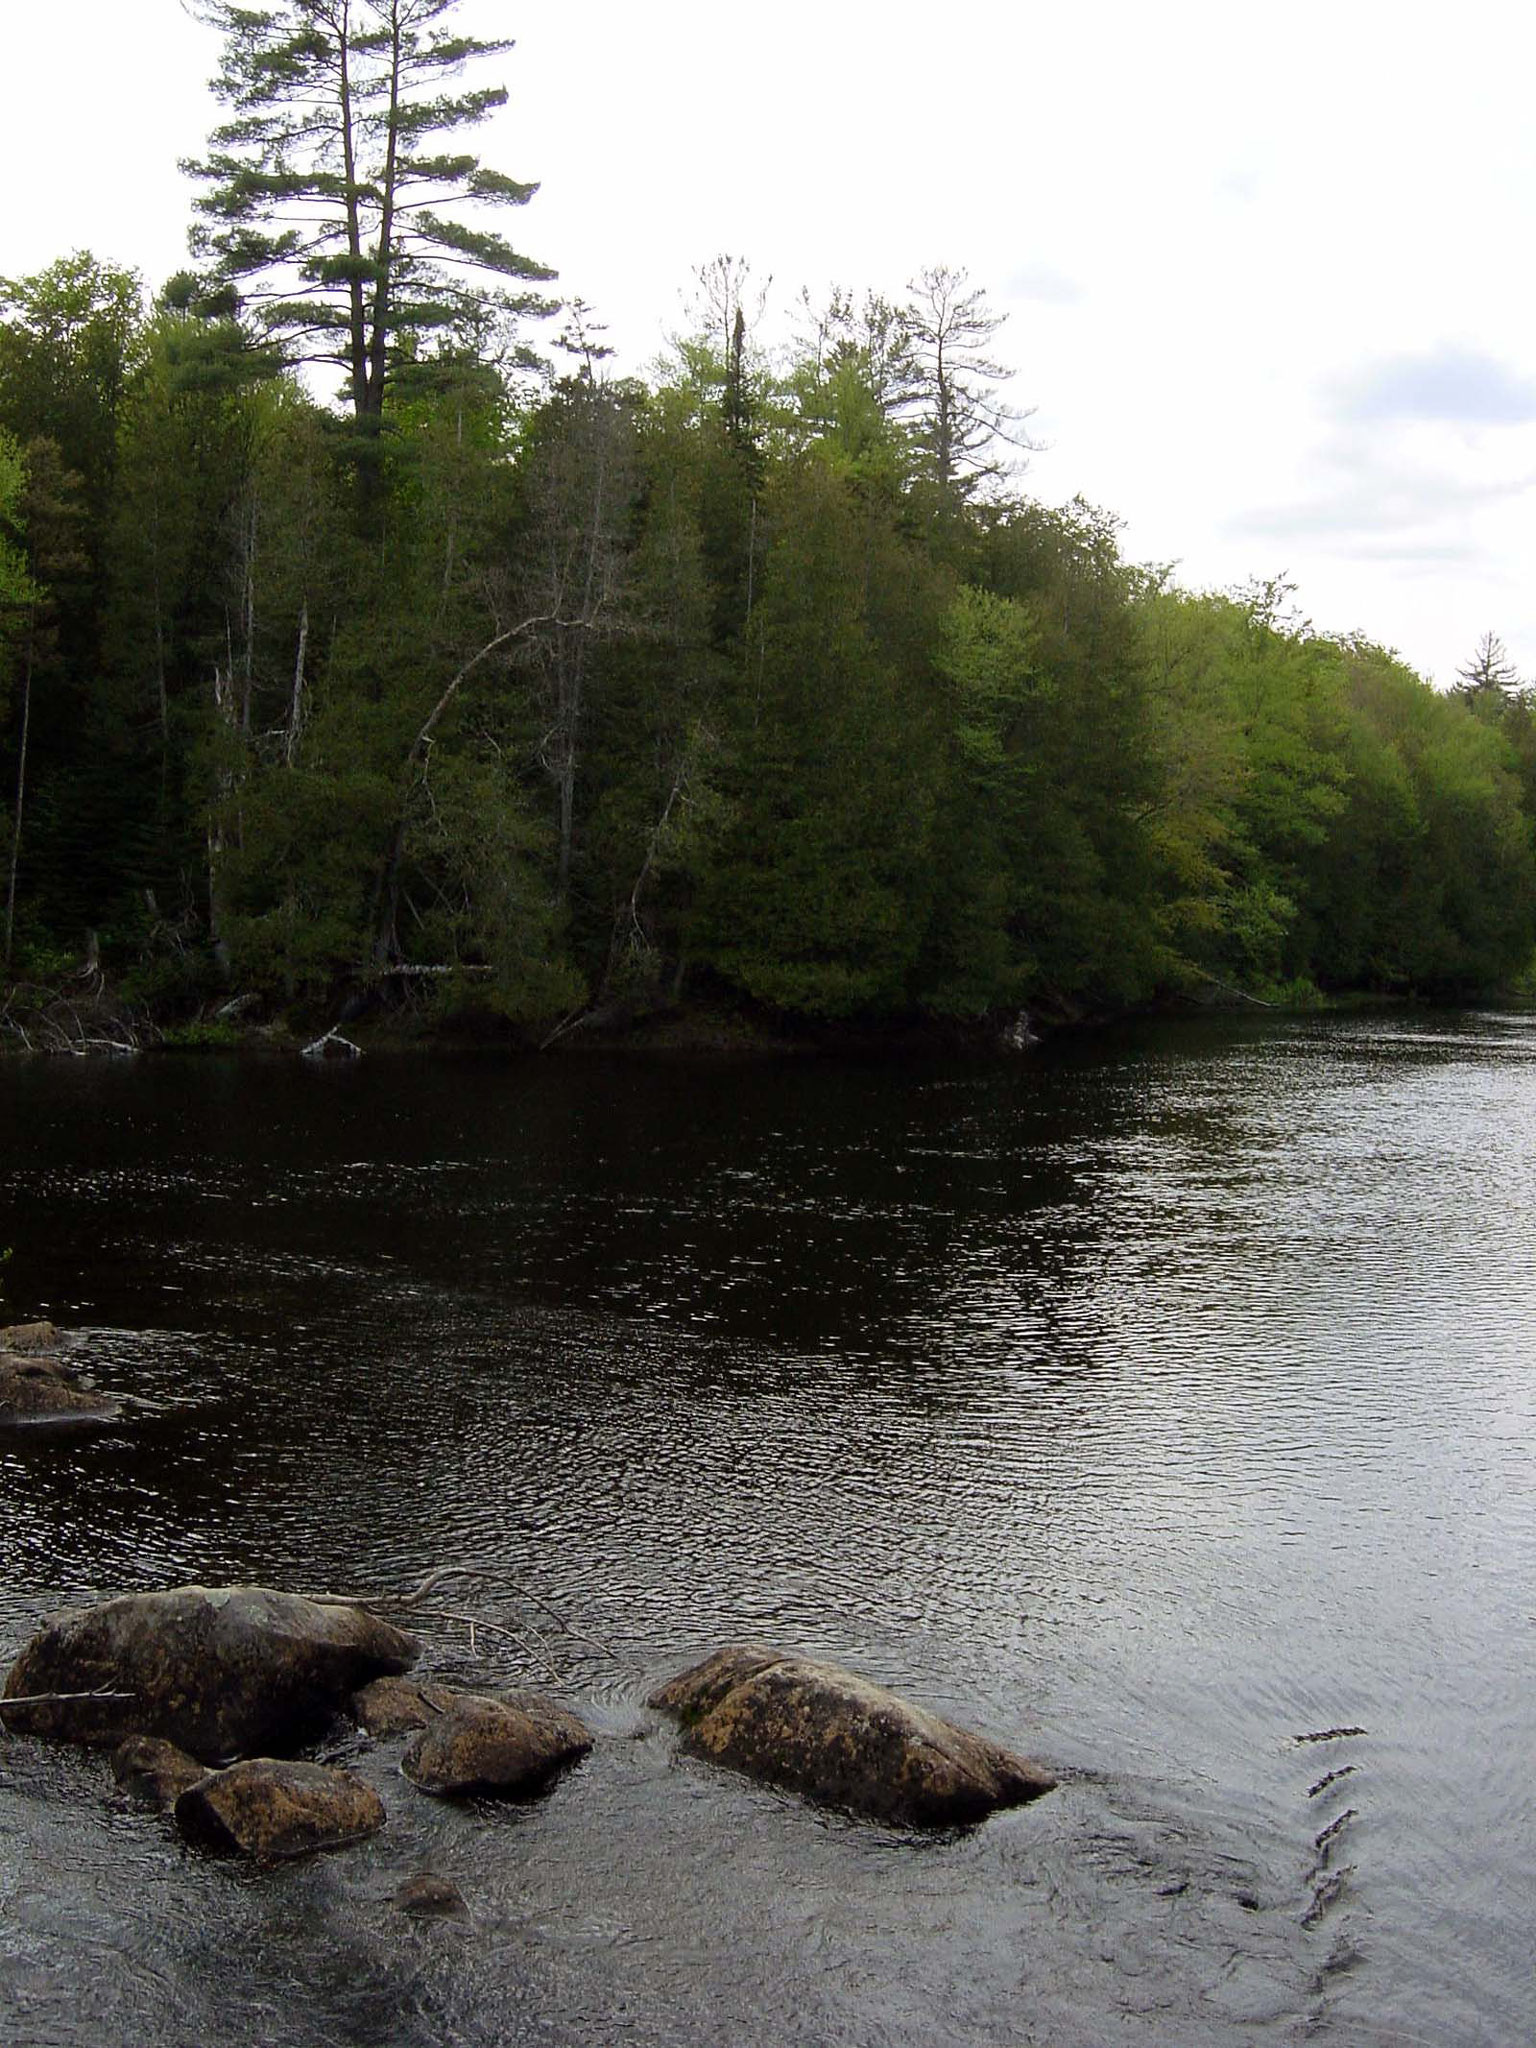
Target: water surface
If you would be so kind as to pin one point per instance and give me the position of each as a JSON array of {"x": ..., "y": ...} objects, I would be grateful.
[{"x": 1151, "y": 1403}]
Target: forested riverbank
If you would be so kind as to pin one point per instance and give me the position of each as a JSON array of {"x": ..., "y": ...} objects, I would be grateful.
[{"x": 533, "y": 693}]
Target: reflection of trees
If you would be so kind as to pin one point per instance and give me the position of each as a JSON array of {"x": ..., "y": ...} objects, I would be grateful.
[{"x": 859, "y": 1308}]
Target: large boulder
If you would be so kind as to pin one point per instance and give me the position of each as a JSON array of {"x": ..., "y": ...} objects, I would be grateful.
[
  {"x": 38, "y": 1387},
  {"x": 488, "y": 1745},
  {"x": 270, "y": 1809},
  {"x": 839, "y": 1738},
  {"x": 220, "y": 1671}
]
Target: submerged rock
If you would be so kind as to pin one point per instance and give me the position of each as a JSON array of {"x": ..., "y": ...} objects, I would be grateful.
[
  {"x": 480, "y": 1744},
  {"x": 818, "y": 1729},
  {"x": 429, "y": 1897},
  {"x": 271, "y": 1809},
  {"x": 37, "y": 1387},
  {"x": 155, "y": 1771},
  {"x": 222, "y": 1672}
]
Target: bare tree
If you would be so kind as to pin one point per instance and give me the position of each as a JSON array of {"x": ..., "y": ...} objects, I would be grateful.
[{"x": 581, "y": 489}]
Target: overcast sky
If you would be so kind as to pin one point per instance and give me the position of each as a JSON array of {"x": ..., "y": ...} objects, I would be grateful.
[{"x": 1267, "y": 270}]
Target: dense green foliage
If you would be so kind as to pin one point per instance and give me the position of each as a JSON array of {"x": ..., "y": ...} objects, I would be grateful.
[{"x": 759, "y": 681}]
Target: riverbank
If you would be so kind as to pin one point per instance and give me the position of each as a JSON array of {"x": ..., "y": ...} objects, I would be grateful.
[{"x": 84, "y": 1013}]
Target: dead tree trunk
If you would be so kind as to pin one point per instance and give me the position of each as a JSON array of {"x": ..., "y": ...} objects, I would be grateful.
[{"x": 21, "y": 797}]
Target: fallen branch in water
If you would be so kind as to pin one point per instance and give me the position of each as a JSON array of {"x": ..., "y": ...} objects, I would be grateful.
[
  {"x": 1241, "y": 994},
  {"x": 527, "y": 1638},
  {"x": 57, "y": 1699},
  {"x": 53, "y": 1699},
  {"x": 317, "y": 1049},
  {"x": 42, "y": 1019}
]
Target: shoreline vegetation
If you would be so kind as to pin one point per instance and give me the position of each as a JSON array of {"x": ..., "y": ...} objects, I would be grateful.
[
  {"x": 63, "y": 1021},
  {"x": 509, "y": 699}
]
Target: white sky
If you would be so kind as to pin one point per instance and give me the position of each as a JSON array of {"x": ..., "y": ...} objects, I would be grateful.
[{"x": 1268, "y": 270}]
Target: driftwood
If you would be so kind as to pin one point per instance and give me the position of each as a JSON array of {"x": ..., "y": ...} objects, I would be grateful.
[
  {"x": 53, "y": 1699},
  {"x": 318, "y": 1048},
  {"x": 49, "y": 1020},
  {"x": 56, "y": 1699},
  {"x": 1240, "y": 994},
  {"x": 526, "y": 1638}
]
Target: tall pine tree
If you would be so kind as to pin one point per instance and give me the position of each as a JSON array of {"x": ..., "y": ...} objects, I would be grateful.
[{"x": 339, "y": 201}]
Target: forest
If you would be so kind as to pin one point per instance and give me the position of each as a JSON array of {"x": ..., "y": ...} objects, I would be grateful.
[{"x": 364, "y": 641}]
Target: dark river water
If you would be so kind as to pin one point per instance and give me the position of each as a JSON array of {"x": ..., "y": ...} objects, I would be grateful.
[{"x": 1153, "y": 1404}]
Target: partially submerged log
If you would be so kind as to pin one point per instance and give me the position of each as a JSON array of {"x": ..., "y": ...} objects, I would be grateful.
[{"x": 839, "y": 1738}]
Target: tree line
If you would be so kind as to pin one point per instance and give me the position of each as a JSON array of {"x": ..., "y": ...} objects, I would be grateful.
[{"x": 539, "y": 690}]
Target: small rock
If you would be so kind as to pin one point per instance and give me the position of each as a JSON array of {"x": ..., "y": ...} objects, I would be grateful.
[
  {"x": 155, "y": 1771},
  {"x": 271, "y": 1809},
  {"x": 839, "y": 1738},
  {"x": 220, "y": 1671},
  {"x": 429, "y": 1897},
  {"x": 37, "y": 1387},
  {"x": 397, "y": 1706},
  {"x": 30, "y": 1337},
  {"x": 488, "y": 1745}
]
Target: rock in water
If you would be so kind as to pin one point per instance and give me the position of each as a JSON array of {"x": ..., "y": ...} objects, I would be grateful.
[
  {"x": 837, "y": 1737},
  {"x": 399, "y": 1706},
  {"x": 271, "y": 1810},
  {"x": 486, "y": 1745},
  {"x": 221, "y": 1672},
  {"x": 155, "y": 1771},
  {"x": 37, "y": 1387},
  {"x": 430, "y": 1897},
  {"x": 30, "y": 1337}
]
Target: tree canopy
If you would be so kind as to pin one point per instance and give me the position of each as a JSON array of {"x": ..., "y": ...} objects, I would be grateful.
[
  {"x": 340, "y": 208},
  {"x": 761, "y": 683}
]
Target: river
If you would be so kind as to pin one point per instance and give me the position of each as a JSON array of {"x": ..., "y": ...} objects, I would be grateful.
[{"x": 1154, "y": 1402}]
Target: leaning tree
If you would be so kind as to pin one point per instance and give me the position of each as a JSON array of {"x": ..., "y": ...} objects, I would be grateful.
[{"x": 339, "y": 202}]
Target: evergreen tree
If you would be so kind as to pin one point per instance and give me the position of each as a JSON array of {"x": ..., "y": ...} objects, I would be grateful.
[
  {"x": 339, "y": 199},
  {"x": 1490, "y": 675},
  {"x": 952, "y": 383}
]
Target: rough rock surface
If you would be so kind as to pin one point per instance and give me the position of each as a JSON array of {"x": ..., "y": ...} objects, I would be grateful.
[
  {"x": 492, "y": 1745},
  {"x": 222, "y": 1672},
  {"x": 837, "y": 1737},
  {"x": 30, "y": 1337},
  {"x": 155, "y": 1771},
  {"x": 271, "y": 1809},
  {"x": 37, "y": 1386},
  {"x": 398, "y": 1706}
]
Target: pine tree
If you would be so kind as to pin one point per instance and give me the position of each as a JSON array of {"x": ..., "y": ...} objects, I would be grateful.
[
  {"x": 953, "y": 383},
  {"x": 1490, "y": 675},
  {"x": 338, "y": 202}
]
